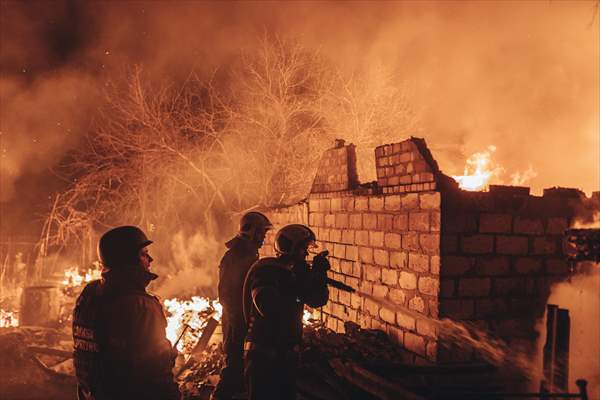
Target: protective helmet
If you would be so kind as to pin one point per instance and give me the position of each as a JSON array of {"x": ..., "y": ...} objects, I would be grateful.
[
  {"x": 120, "y": 246},
  {"x": 293, "y": 237},
  {"x": 253, "y": 220}
]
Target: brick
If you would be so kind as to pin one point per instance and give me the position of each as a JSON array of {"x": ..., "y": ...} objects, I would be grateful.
[
  {"x": 387, "y": 315},
  {"x": 432, "y": 351},
  {"x": 512, "y": 245},
  {"x": 557, "y": 267},
  {"x": 430, "y": 243},
  {"x": 495, "y": 223},
  {"x": 352, "y": 253},
  {"x": 335, "y": 264},
  {"x": 410, "y": 241},
  {"x": 426, "y": 328},
  {"x": 373, "y": 273},
  {"x": 323, "y": 234},
  {"x": 365, "y": 254},
  {"x": 492, "y": 266},
  {"x": 458, "y": 309},
  {"x": 355, "y": 301},
  {"x": 489, "y": 308},
  {"x": 375, "y": 203},
  {"x": 557, "y": 226},
  {"x": 434, "y": 306},
  {"x": 544, "y": 245},
  {"x": 348, "y": 236},
  {"x": 393, "y": 202},
  {"x": 316, "y": 219},
  {"x": 369, "y": 221},
  {"x": 329, "y": 220},
  {"x": 528, "y": 225},
  {"x": 361, "y": 203},
  {"x": 418, "y": 221},
  {"x": 341, "y": 220},
  {"x": 336, "y": 204},
  {"x": 405, "y": 320},
  {"x": 361, "y": 238},
  {"x": 381, "y": 257},
  {"x": 504, "y": 286},
  {"x": 325, "y": 205},
  {"x": 434, "y": 265},
  {"x": 389, "y": 276},
  {"x": 376, "y": 239},
  {"x": 355, "y": 221},
  {"x": 456, "y": 265},
  {"x": 455, "y": 222},
  {"x": 435, "y": 221},
  {"x": 526, "y": 265},
  {"x": 398, "y": 259},
  {"x": 418, "y": 262},
  {"x": 345, "y": 298},
  {"x": 449, "y": 244},
  {"x": 371, "y": 307},
  {"x": 397, "y": 296},
  {"x": 428, "y": 286},
  {"x": 429, "y": 201},
  {"x": 417, "y": 304},
  {"x": 400, "y": 222},
  {"x": 346, "y": 267},
  {"x": 407, "y": 280},
  {"x": 366, "y": 286},
  {"x": 339, "y": 250},
  {"x": 335, "y": 235},
  {"x": 447, "y": 288},
  {"x": 313, "y": 205},
  {"x": 410, "y": 201},
  {"x": 415, "y": 343},
  {"x": 380, "y": 290},
  {"x": 393, "y": 240},
  {"x": 477, "y": 244},
  {"x": 385, "y": 222},
  {"x": 348, "y": 203},
  {"x": 474, "y": 287}
]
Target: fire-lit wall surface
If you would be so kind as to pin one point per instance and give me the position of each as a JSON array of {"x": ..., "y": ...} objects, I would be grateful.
[{"x": 417, "y": 249}]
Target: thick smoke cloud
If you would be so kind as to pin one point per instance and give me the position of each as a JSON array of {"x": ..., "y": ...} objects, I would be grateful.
[{"x": 520, "y": 75}]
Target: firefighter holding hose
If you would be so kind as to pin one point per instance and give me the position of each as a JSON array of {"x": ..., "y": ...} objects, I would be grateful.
[
  {"x": 120, "y": 346},
  {"x": 241, "y": 254},
  {"x": 275, "y": 292}
]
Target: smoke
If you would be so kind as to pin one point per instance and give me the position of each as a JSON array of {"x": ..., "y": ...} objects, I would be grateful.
[
  {"x": 522, "y": 76},
  {"x": 580, "y": 297}
]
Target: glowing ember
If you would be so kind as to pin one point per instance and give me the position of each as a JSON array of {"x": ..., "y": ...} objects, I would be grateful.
[
  {"x": 309, "y": 319},
  {"x": 74, "y": 278},
  {"x": 8, "y": 319},
  {"x": 194, "y": 314},
  {"x": 478, "y": 171}
]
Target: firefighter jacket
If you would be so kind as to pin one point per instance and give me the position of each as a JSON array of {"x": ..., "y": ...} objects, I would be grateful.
[
  {"x": 121, "y": 351},
  {"x": 236, "y": 262},
  {"x": 275, "y": 292}
]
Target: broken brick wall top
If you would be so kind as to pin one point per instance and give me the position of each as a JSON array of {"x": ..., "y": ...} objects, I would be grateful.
[{"x": 417, "y": 248}]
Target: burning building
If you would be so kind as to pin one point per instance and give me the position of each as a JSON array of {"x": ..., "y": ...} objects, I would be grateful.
[{"x": 420, "y": 253}]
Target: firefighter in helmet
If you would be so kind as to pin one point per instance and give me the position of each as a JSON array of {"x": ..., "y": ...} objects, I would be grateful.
[
  {"x": 275, "y": 292},
  {"x": 241, "y": 254},
  {"x": 120, "y": 347}
]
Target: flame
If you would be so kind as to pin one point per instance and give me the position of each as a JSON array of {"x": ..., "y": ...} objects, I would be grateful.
[
  {"x": 73, "y": 278},
  {"x": 478, "y": 171},
  {"x": 8, "y": 319},
  {"x": 194, "y": 314}
]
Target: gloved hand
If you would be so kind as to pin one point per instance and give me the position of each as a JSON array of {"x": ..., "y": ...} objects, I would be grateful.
[{"x": 320, "y": 262}]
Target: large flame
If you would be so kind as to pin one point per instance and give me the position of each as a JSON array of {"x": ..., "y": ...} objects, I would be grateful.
[
  {"x": 8, "y": 319},
  {"x": 193, "y": 314},
  {"x": 479, "y": 170}
]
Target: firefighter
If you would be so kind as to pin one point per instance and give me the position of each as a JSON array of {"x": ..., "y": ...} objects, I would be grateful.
[
  {"x": 120, "y": 345},
  {"x": 275, "y": 292},
  {"x": 241, "y": 254}
]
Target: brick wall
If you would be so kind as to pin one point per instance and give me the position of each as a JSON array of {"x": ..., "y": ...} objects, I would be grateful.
[
  {"x": 416, "y": 248},
  {"x": 501, "y": 252}
]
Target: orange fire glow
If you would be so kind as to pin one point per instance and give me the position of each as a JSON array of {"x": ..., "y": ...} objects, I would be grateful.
[
  {"x": 8, "y": 319},
  {"x": 194, "y": 314},
  {"x": 479, "y": 170},
  {"x": 72, "y": 276}
]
